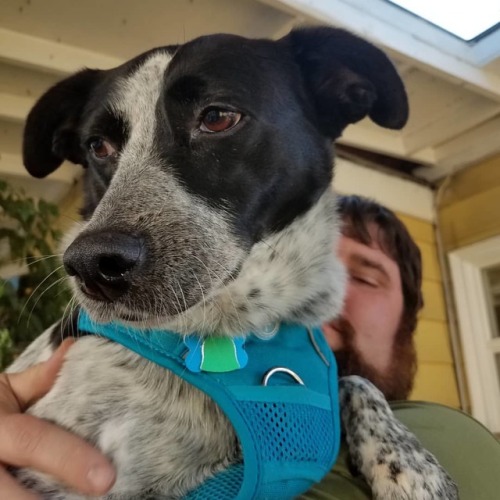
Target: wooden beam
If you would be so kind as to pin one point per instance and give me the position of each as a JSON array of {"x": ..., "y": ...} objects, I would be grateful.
[
  {"x": 14, "y": 107},
  {"x": 52, "y": 57},
  {"x": 472, "y": 146},
  {"x": 467, "y": 149},
  {"x": 382, "y": 23},
  {"x": 398, "y": 194},
  {"x": 465, "y": 115},
  {"x": 373, "y": 138}
]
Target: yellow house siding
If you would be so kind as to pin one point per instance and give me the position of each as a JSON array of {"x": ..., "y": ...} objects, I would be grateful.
[
  {"x": 471, "y": 181},
  {"x": 470, "y": 207},
  {"x": 421, "y": 230},
  {"x": 434, "y": 307},
  {"x": 432, "y": 341},
  {"x": 431, "y": 269},
  {"x": 435, "y": 380}
]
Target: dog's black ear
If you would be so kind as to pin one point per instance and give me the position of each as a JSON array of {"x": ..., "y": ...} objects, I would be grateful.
[
  {"x": 50, "y": 130},
  {"x": 349, "y": 79}
]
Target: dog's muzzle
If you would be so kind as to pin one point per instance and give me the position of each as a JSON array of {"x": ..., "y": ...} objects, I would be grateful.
[{"x": 103, "y": 263}]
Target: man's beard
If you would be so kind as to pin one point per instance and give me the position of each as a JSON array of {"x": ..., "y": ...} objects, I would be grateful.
[{"x": 396, "y": 382}]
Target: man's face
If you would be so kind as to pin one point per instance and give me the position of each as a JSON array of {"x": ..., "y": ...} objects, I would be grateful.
[{"x": 363, "y": 337}]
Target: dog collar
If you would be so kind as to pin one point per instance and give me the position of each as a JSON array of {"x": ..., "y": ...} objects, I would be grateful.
[{"x": 282, "y": 401}]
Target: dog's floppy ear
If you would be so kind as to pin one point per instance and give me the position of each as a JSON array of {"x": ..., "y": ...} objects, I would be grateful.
[
  {"x": 50, "y": 131},
  {"x": 349, "y": 79}
]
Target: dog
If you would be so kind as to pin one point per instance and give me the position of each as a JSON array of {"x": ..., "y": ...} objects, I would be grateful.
[{"x": 208, "y": 209}]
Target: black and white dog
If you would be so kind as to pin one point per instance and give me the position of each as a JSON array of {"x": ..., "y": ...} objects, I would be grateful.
[{"x": 208, "y": 209}]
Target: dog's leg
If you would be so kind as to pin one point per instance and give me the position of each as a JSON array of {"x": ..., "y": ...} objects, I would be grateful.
[{"x": 386, "y": 453}]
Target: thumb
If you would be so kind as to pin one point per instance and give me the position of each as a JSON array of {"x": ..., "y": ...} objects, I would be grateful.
[{"x": 32, "y": 384}]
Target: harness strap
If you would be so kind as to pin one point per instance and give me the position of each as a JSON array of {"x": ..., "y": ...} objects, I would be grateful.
[{"x": 288, "y": 429}]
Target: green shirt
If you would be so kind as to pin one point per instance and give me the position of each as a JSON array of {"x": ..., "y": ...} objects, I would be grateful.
[{"x": 464, "y": 447}]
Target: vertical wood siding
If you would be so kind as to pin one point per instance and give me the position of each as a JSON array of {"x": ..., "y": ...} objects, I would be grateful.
[
  {"x": 470, "y": 208},
  {"x": 435, "y": 379}
]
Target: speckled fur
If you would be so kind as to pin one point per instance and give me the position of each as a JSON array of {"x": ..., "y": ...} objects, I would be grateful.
[
  {"x": 164, "y": 436},
  {"x": 384, "y": 451}
]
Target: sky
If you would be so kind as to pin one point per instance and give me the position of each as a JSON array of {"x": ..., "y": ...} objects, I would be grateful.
[{"x": 464, "y": 18}]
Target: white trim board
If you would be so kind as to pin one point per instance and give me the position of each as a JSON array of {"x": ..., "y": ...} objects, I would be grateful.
[
  {"x": 466, "y": 266},
  {"x": 45, "y": 55},
  {"x": 398, "y": 194}
]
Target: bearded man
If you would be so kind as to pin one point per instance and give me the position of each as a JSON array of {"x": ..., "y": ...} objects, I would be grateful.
[{"x": 374, "y": 337}]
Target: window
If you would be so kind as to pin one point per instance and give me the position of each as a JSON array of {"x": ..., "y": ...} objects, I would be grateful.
[{"x": 476, "y": 284}]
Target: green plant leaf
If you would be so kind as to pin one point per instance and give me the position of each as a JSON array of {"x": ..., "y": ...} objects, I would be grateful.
[{"x": 31, "y": 234}]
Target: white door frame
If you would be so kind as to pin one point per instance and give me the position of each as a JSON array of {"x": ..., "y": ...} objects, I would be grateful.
[{"x": 472, "y": 304}]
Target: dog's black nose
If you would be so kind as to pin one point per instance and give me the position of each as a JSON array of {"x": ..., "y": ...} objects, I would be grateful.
[{"x": 104, "y": 262}]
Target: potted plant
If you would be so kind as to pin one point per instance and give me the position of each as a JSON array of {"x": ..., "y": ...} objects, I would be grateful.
[{"x": 33, "y": 294}]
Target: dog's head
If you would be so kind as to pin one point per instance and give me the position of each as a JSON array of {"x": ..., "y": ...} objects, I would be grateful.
[{"x": 207, "y": 166}]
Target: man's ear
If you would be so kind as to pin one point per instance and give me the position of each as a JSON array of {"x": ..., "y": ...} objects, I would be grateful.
[
  {"x": 348, "y": 78},
  {"x": 50, "y": 133}
]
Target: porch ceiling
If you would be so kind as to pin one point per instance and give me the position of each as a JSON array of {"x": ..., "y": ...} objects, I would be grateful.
[{"x": 454, "y": 87}]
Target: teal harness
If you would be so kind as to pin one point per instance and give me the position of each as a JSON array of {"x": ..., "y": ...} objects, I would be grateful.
[{"x": 280, "y": 395}]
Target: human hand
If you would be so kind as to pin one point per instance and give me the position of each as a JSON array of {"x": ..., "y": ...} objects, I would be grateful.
[{"x": 27, "y": 441}]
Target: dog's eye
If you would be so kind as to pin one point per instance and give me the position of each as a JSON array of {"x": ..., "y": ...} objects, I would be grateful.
[
  {"x": 101, "y": 148},
  {"x": 219, "y": 120}
]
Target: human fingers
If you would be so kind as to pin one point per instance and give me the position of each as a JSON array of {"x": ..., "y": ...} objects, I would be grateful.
[
  {"x": 30, "y": 385},
  {"x": 27, "y": 441}
]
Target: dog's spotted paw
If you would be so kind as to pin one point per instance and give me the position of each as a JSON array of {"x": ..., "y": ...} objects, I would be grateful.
[
  {"x": 424, "y": 479},
  {"x": 385, "y": 452}
]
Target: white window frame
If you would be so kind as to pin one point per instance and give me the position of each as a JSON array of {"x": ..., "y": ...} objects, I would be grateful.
[{"x": 476, "y": 331}]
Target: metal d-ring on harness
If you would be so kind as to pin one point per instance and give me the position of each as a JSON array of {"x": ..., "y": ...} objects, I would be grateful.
[{"x": 281, "y": 369}]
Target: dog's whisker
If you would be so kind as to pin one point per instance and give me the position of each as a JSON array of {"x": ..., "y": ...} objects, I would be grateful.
[
  {"x": 183, "y": 310},
  {"x": 225, "y": 287},
  {"x": 214, "y": 289},
  {"x": 55, "y": 283},
  {"x": 67, "y": 313},
  {"x": 57, "y": 269},
  {"x": 77, "y": 222},
  {"x": 177, "y": 307},
  {"x": 203, "y": 301},
  {"x": 30, "y": 261}
]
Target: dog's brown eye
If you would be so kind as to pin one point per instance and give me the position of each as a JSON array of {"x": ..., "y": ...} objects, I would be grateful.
[
  {"x": 219, "y": 120},
  {"x": 101, "y": 148}
]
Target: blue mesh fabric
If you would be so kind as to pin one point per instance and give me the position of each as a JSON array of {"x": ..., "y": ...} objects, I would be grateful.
[
  {"x": 289, "y": 437},
  {"x": 285, "y": 432},
  {"x": 223, "y": 486},
  {"x": 291, "y": 432}
]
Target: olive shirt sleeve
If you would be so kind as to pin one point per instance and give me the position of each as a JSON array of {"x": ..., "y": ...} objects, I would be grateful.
[
  {"x": 464, "y": 447},
  {"x": 339, "y": 484}
]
